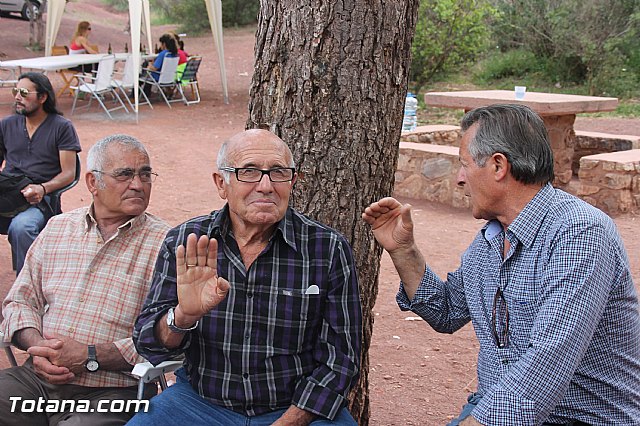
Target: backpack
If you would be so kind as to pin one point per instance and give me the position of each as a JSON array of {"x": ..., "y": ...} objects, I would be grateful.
[{"x": 12, "y": 201}]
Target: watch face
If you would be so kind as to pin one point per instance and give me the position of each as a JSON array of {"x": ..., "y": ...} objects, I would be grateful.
[{"x": 92, "y": 365}]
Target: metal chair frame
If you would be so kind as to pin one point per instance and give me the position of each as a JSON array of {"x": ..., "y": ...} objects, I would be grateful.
[
  {"x": 190, "y": 78},
  {"x": 100, "y": 86},
  {"x": 167, "y": 78}
]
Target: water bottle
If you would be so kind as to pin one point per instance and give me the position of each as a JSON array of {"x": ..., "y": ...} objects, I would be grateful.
[{"x": 410, "y": 121}]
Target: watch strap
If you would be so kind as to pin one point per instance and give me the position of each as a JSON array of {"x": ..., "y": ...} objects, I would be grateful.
[{"x": 171, "y": 323}]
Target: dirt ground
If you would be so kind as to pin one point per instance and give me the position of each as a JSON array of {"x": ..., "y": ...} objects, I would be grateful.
[{"x": 418, "y": 377}]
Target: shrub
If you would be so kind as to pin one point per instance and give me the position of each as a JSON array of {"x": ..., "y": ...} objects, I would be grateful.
[{"x": 448, "y": 33}]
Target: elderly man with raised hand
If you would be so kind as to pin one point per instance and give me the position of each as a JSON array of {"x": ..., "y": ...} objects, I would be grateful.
[
  {"x": 74, "y": 304},
  {"x": 39, "y": 143},
  {"x": 262, "y": 300},
  {"x": 546, "y": 284}
]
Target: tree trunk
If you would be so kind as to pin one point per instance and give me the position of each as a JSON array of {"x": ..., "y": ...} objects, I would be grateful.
[{"x": 330, "y": 79}]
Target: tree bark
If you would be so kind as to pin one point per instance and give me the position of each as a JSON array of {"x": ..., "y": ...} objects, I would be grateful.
[{"x": 330, "y": 79}]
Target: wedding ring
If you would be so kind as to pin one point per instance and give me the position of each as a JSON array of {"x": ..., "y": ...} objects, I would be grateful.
[{"x": 189, "y": 266}]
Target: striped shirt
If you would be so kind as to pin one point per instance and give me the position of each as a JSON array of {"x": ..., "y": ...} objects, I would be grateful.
[
  {"x": 289, "y": 330},
  {"x": 78, "y": 285},
  {"x": 573, "y": 350}
]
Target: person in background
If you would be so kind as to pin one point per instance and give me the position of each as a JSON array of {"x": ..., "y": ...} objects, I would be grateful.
[
  {"x": 84, "y": 281},
  {"x": 168, "y": 48},
  {"x": 38, "y": 142},
  {"x": 80, "y": 45},
  {"x": 546, "y": 284},
  {"x": 262, "y": 301}
]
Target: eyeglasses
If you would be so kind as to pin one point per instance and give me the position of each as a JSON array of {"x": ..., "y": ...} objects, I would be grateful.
[
  {"x": 23, "y": 92},
  {"x": 500, "y": 319},
  {"x": 252, "y": 175},
  {"x": 127, "y": 175}
]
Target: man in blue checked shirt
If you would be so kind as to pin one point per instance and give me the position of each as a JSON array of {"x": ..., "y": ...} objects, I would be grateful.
[
  {"x": 262, "y": 301},
  {"x": 546, "y": 284}
]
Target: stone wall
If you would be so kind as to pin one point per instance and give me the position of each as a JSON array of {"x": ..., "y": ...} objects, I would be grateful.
[
  {"x": 592, "y": 143},
  {"x": 440, "y": 134},
  {"x": 611, "y": 181},
  {"x": 428, "y": 172}
]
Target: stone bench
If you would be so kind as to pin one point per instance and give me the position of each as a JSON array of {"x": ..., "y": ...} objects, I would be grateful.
[
  {"x": 438, "y": 134},
  {"x": 611, "y": 181},
  {"x": 428, "y": 172},
  {"x": 592, "y": 143}
]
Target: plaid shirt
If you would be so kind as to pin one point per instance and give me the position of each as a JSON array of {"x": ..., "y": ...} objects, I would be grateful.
[
  {"x": 78, "y": 285},
  {"x": 274, "y": 341},
  {"x": 573, "y": 350}
]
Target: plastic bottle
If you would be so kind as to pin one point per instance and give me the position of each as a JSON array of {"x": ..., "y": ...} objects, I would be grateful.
[
  {"x": 410, "y": 121},
  {"x": 109, "y": 50}
]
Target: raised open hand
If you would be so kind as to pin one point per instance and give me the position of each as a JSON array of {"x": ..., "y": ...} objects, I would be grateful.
[
  {"x": 200, "y": 288},
  {"x": 391, "y": 223}
]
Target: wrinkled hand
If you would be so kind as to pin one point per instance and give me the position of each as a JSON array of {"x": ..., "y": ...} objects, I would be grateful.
[
  {"x": 391, "y": 223},
  {"x": 33, "y": 193},
  {"x": 200, "y": 288},
  {"x": 58, "y": 359}
]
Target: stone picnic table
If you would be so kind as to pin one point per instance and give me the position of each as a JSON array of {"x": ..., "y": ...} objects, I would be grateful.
[{"x": 558, "y": 112}]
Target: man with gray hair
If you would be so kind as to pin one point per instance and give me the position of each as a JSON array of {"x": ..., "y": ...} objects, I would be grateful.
[
  {"x": 73, "y": 306},
  {"x": 546, "y": 284},
  {"x": 262, "y": 301}
]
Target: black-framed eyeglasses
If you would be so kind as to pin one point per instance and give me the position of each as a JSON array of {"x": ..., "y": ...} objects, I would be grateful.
[
  {"x": 23, "y": 92},
  {"x": 500, "y": 319},
  {"x": 127, "y": 175},
  {"x": 253, "y": 175}
]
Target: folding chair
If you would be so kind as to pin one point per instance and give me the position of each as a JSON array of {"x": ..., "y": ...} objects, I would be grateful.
[
  {"x": 166, "y": 80},
  {"x": 129, "y": 74},
  {"x": 8, "y": 78},
  {"x": 100, "y": 87},
  {"x": 190, "y": 78},
  {"x": 147, "y": 373},
  {"x": 67, "y": 75}
]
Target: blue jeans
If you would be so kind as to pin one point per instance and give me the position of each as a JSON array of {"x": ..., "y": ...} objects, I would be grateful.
[
  {"x": 180, "y": 404},
  {"x": 22, "y": 231}
]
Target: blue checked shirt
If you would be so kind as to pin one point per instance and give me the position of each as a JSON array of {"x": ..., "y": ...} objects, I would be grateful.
[
  {"x": 288, "y": 332},
  {"x": 574, "y": 327}
]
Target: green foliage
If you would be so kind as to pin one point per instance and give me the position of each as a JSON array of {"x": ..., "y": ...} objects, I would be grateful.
[
  {"x": 448, "y": 33},
  {"x": 515, "y": 63},
  {"x": 591, "y": 42},
  {"x": 192, "y": 18}
]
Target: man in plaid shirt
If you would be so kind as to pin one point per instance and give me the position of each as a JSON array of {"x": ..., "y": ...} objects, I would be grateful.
[
  {"x": 73, "y": 305},
  {"x": 546, "y": 284},
  {"x": 262, "y": 301}
]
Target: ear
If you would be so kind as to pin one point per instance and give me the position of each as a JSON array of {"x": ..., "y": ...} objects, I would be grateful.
[
  {"x": 218, "y": 180},
  {"x": 501, "y": 166},
  {"x": 91, "y": 182}
]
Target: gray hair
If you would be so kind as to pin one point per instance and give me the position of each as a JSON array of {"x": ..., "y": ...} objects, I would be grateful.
[
  {"x": 223, "y": 159},
  {"x": 517, "y": 132},
  {"x": 97, "y": 158}
]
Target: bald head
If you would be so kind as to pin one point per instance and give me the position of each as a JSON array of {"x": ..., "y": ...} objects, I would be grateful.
[{"x": 264, "y": 138}]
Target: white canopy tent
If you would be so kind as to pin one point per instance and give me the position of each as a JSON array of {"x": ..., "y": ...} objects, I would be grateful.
[{"x": 139, "y": 11}]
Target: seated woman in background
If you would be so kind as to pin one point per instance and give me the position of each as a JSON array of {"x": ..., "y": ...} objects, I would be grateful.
[
  {"x": 169, "y": 48},
  {"x": 80, "y": 44}
]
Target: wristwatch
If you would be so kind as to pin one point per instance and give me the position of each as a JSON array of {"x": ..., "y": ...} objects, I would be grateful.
[
  {"x": 171, "y": 323},
  {"x": 92, "y": 363}
]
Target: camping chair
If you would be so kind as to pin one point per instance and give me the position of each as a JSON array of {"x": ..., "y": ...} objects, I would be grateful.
[
  {"x": 167, "y": 79},
  {"x": 190, "y": 78},
  {"x": 129, "y": 74},
  {"x": 67, "y": 75},
  {"x": 8, "y": 78},
  {"x": 55, "y": 203},
  {"x": 144, "y": 371},
  {"x": 100, "y": 86}
]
